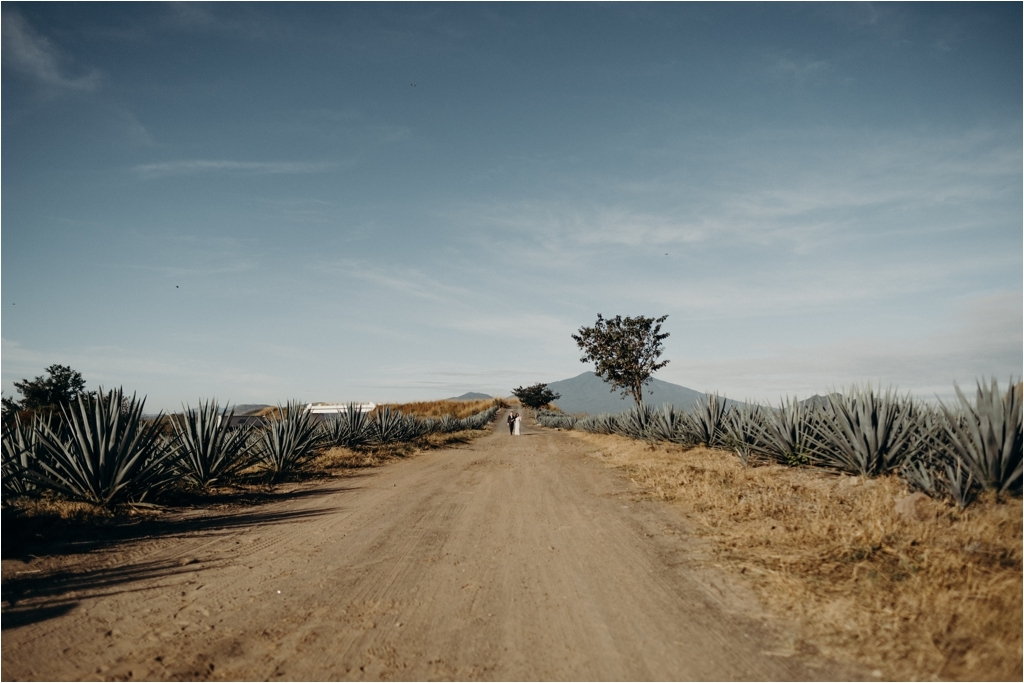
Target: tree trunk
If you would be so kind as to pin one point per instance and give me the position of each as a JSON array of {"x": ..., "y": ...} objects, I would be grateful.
[{"x": 638, "y": 395}]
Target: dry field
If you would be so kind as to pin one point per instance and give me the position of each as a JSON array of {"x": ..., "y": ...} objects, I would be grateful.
[
  {"x": 457, "y": 409},
  {"x": 338, "y": 458},
  {"x": 911, "y": 587}
]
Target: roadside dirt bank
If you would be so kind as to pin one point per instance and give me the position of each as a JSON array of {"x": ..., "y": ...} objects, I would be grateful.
[{"x": 510, "y": 558}]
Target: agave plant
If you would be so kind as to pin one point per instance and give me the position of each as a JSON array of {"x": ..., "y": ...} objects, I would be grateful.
[
  {"x": 864, "y": 432},
  {"x": 636, "y": 422},
  {"x": 20, "y": 452},
  {"x": 481, "y": 419},
  {"x": 668, "y": 425},
  {"x": 350, "y": 428},
  {"x": 210, "y": 451},
  {"x": 785, "y": 433},
  {"x": 940, "y": 476},
  {"x": 986, "y": 437},
  {"x": 706, "y": 422},
  {"x": 743, "y": 424},
  {"x": 288, "y": 440},
  {"x": 104, "y": 452},
  {"x": 413, "y": 427},
  {"x": 388, "y": 426},
  {"x": 555, "y": 420},
  {"x": 449, "y": 423},
  {"x": 598, "y": 424}
]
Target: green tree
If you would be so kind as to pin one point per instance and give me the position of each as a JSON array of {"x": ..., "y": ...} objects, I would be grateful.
[
  {"x": 625, "y": 351},
  {"x": 59, "y": 389},
  {"x": 535, "y": 396}
]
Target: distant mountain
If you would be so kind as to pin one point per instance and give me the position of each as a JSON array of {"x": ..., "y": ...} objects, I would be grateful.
[
  {"x": 819, "y": 401},
  {"x": 470, "y": 396},
  {"x": 249, "y": 408},
  {"x": 588, "y": 393}
]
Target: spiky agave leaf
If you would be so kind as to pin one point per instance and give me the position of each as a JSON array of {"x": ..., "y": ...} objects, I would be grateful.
[
  {"x": 449, "y": 423},
  {"x": 480, "y": 420},
  {"x": 986, "y": 437},
  {"x": 288, "y": 440},
  {"x": 414, "y": 428},
  {"x": 387, "y": 426},
  {"x": 636, "y": 422},
  {"x": 864, "y": 432},
  {"x": 604, "y": 423},
  {"x": 104, "y": 452},
  {"x": 210, "y": 451},
  {"x": 431, "y": 425},
  {"x": 668, "y": 424},
  {"x": 931, "y": 464},
  {"x": 350, "y": 428},
  {"x": 21, "y": 449},
  {"x": 743, "y": 425},
  {"x": 785, "y": 433},
  {"x": 706, "y": 421},
  {"x": 556, "y": 420}
]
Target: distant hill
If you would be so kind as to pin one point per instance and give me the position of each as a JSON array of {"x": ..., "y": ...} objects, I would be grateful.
[
  {"x": 470, "y": 396},
  {"x": 819, "y": 401},
  {"x": 588, "y": 393},
  {"x": 249, "y": 408}
]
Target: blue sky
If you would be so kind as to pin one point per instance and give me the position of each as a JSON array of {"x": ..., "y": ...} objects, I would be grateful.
[{"x": 254, "y": 202}]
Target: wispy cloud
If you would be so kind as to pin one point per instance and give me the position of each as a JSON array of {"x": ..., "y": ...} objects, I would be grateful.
[
  {"x": 394, "y": 133},
  {"x": 983, "y": 337},
  {"x": 37, "y": 58},
  {"x": 191, "y": 166},
  {"x": 801, "y": 69},
  {"x": 774, "y": 188},
  {"x": 408, "y": 281}
]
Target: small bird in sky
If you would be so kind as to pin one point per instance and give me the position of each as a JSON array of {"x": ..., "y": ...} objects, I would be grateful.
[
  {"x": 413, "y": 84},
  {"x": 176, "y": 287}
]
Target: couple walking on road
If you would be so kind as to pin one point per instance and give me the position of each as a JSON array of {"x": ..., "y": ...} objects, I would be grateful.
[{"x": 513, "y": 423}]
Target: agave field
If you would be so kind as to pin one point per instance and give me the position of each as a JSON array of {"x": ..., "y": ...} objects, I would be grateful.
[
  {"x": 951, "y": 452},
  {"x": 102, "y": 451}
]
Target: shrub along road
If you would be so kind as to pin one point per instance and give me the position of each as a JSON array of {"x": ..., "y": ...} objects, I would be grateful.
[{"x": 509, "y": 558}]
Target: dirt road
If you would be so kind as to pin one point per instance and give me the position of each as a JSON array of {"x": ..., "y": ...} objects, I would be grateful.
[{"x": 509, "y": 558}]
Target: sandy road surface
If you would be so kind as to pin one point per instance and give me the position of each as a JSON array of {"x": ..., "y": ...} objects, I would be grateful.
[{"x": 510, "y": 558}]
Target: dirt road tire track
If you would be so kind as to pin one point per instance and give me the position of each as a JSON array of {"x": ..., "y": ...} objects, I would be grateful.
[{"x": 513, "y": 558}]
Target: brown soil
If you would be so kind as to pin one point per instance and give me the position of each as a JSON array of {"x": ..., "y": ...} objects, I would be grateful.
[{"x": 506, "y": 558}]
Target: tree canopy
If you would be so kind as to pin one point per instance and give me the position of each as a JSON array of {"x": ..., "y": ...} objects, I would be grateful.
[
  {"x": 625, "y": 351},
  {"x": 535, "y": 396},
  {"x": 59, "y": 389}
]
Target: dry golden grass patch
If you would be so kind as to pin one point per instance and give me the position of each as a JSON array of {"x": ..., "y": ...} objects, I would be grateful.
[
  {"x": 339, "y": 457},
  {"x": 67, "y": 510},
  {"x": 457, "y": 409},
  {"x": 913, "y": 587}
]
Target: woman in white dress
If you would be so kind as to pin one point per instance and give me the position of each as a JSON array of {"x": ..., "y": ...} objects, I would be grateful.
[{"x": 515, "y": 428}]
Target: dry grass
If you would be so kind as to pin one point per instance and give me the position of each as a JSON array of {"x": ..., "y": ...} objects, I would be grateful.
[
  {"x": 67, "y": 510},
  {"x": 919, "y": 591},
  {"x": 338, "y": 457},
  {"x": 458, "y": 409}
]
